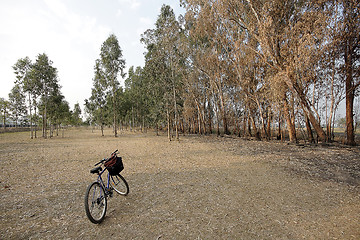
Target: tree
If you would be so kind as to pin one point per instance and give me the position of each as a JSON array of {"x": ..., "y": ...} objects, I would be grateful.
[
  {"x": 76, "y": 115},
  {"x": 96, "y": 104},
  {"x": 17, "y": 104},
  {"x": 287, "y": 37},
  {"x": 163, "y": 44},
  {"x": 4, "y": 108},
  {"x": 112, "y": 65},
  {"x": 350, "y": 45},
  {"x": 22, "y": 70},
  {"x": 46, "y": 82}
]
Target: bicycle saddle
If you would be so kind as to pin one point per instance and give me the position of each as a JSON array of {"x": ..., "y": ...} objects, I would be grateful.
[{"x": 96, "y": 170}]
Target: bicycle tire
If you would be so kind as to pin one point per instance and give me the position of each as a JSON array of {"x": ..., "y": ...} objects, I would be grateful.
[
  {"x": 119, "y": 184},
  {"x": 95, "y": 203}
]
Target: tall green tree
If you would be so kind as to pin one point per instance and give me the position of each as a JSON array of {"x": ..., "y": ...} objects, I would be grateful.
[
  {"x": 46, "y": 82},
  {"x": 22, "y": 69},
  {"x": 96, "y": 104},
  {"x": 17, "y": 105},
  {"x": 163, "y": 44},
  {"x": 4, "y": 110},
  {"x": 113, "y": 65}
]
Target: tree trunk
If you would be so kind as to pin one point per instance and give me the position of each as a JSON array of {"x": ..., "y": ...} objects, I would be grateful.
[
  {"x": 296, "y": 89},
  {"x": 35, "y": 122},
  {"x": 261, "y": 117},
  {"x": 31, "y": 123},
  {"x": 332, "y": 105},
  {"x": 350, "y": 136},
  {"x": 224, "y": 117},
  {"x": 176, "y": 117},
  {"x": 257, "y": 133},
  {"x": 289, "y": 123},
  {"x": 115, "y": 127},
  {"x": 279, "y": 135},
  {"x": 44, "y": 123},
  {"x": 308, "y": 129},
  {"x": 269, "y": 123},
  {"x": 168, "y": 123}
]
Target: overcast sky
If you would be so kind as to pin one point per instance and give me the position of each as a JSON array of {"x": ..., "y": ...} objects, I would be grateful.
[{"x": 71, "y": 32}]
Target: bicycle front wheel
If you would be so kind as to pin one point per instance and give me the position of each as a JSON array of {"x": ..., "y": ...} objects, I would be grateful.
[
  {"x": 120, "y": 185},
  {"x": 95, "y": 203}
]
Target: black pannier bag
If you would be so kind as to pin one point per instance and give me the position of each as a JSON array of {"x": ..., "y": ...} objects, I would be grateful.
[{"x": 114, "y": 165}]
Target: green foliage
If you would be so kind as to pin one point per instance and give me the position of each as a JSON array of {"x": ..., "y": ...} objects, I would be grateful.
[
  {"x": 39, "y": 81},
  {"x": 17, "y": 105},
  {"x": 105, "y": 100}
]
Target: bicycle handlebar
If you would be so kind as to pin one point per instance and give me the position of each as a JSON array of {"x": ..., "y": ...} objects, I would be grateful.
[{"x": 106, "y": 158}]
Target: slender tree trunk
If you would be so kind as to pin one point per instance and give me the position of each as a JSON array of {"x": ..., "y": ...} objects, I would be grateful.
[
  {"x": 289, "y": 123},
  {"x": 257, "y": 133},
  {"x": 332, "y": 104},
  {"x": 201, "y": 118},
  {"x": 176, "y": 117},
  {"x": 217, "y": 114},
  {"x": 4, "y": 120},
  {"x": 35, "y": 118},
  {"x": 350, "y": 136},
  {"x": 249, "y": 124},
  {"x": 210, "y": 117},
  {"x": 223, "y": 112},
  {"x": 296, "y": 89},
  {"x": 31, "y": 118},
  {"x": 309, "y": 130},
  {"x": 269, "y": 123},
  {"x": 45, "y": 123},
  {"x": 279, "y": 135},
  {"x": 115, "y": 127},
  {"x": 168, "y": 123},
  {"x": 261, "y": 117},
  {"x": 243, "y": 125}
]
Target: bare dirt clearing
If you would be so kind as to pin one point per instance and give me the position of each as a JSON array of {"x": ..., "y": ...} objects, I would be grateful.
[{"x": 198, "y": 188}]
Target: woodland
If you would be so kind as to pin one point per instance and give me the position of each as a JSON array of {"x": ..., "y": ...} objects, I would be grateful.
[{"x": 262, "y": 69}]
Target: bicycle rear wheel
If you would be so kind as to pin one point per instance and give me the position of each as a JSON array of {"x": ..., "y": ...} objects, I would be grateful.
[
  {"x": 120, "y": 185},
  {"x": 95, "y": 203}
]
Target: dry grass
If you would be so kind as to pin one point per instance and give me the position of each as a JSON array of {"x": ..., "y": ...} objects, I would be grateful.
[{"x": 198, "y": 188}]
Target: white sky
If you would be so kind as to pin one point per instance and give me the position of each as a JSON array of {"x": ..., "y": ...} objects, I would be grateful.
[{"x": 71, "y": 33}]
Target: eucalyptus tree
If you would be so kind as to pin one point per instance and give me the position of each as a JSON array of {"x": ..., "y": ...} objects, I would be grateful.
[
  {"x": 46, "y": 82},
  {"x": 348, "y": 42},
  {"x": 96, "y": 104},
  {"x": 154, "y": 71},
  {"x": 76, "y": 115},
  {"x": 289, "y": 37},
  {"x": 57, "y": 111},
  {"x": 17, "y": 104},
  {"x": 112, "y": 65},
  {"x": 137, "y": 92},
  {"x": 4, "y": 111},
  {"x": 163, "y": 45},
  {"x": 22, "y": 69}
]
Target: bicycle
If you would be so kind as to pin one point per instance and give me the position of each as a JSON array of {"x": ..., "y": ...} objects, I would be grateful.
[{"x": 97, "y": 192}]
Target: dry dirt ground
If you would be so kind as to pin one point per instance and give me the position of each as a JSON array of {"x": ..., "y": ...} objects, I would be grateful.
[{"x": 198, "y": 188}]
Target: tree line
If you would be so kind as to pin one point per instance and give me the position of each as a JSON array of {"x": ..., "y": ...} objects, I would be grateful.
[
  {"x": 250, "y": 68},
  {"x": 265, "y": 69},
  {"x": 36, "y": 98}
]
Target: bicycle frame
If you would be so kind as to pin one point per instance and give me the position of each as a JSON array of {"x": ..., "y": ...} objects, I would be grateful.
[{"x": 100, "y": 180}]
